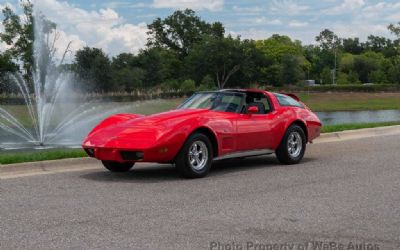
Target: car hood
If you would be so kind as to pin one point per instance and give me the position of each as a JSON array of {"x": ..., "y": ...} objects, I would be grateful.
[
  {"x": 164, "y": 118},
  {"x": 143, "y": 132}
]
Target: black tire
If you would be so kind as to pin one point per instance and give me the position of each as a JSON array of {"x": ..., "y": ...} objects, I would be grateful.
[
  {"x": 182, "y": 161},
  {"x": 117, "y": 166},
  {"x": 282, "y": 152}
]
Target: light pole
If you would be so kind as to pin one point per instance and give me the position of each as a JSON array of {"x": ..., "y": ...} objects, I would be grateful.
[
  {"x": 334, "y": 67},
  {"x": 334, "y": 71}
]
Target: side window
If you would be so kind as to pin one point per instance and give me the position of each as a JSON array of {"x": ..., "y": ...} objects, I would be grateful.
[
  {"x": 259, "y": 100},
  {"x": 285, "y": 100},
  {"x": 264, "y": 100}
]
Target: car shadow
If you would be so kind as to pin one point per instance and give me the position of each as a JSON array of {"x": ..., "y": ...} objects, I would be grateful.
[
  {"x": 146, "y": 174},
  {"x": 166, "y": 172}
]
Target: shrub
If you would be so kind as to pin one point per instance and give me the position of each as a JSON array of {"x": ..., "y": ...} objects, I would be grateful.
[
  {"x": 207, "y": 83},
  {"x": 188, "y": 86},
  {"x": 171, "y": 84},
  {"x": 342, "y": 78}
]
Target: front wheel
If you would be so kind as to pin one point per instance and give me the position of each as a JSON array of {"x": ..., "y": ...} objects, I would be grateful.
[
  {"x": 117, "y": 166},
  {"x": 293, "y": 145},
  {"x": 195, "y": 158}
]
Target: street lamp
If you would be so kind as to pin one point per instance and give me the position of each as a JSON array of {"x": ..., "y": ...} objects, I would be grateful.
[{"x": 334, "y": 67}]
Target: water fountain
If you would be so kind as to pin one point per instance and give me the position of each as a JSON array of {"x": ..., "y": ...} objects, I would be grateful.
[{"x": 56, "y": 114}]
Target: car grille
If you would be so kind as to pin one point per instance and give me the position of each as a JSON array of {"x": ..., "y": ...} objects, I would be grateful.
[{"x": 132, "y": 155}]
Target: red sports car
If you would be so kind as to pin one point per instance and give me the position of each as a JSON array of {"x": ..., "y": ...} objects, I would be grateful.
[{"x": 206, "y": 127}]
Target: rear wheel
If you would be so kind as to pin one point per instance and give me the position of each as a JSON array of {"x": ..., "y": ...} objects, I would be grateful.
[
  {"x": 195, "y": 158},
  {"x": 293, "y": 145},
  {"x": 117, "y": 166}
]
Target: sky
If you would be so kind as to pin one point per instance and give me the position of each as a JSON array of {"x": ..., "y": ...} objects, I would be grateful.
[{"x": 120, "y": 25}]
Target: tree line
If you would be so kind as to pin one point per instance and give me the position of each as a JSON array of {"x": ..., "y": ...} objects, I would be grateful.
[{"x": 184, "y": 52}]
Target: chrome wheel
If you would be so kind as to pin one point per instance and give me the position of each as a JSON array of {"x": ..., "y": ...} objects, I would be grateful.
[
  {"x": 198, "y": 155},
  {"x": 294, "y": 144}
]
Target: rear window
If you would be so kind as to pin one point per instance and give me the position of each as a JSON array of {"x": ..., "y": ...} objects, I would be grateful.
[{"x": 285, "y": 100}]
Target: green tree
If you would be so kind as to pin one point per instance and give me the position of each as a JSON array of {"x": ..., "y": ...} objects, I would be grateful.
[
  {"x": 328, "y": 40},
  {"x": 207, "y": 83},
  {"x": 346, "y": 62},
  {"x": 93, "y": 68},
  {"x": 394, "y": 28},
  {"x": 326, "y": 76},
  {"x": 277, "y": 46},
  {"x": 128, "y": 79},
  {"x": 291, "y": 70},
  {"x": 287, "y": 58},
  {"x": 342, "y": 78},
  {"x": 393, "y": 72},
  {"x": 18, "y": 34},
  {"x": 127, "y": 74},
  {"x": 352, "y": 46},
  {"x": 221, "y": 57},
  {"x": 188, "y": 85},
  {"x": 181, "y": 30},
  {"x": 272, "y": 74},
  {"x": 377, "y": 76},
  {"x": 353, "y": 78},
  {"x": 160, "y": 64},
  {"x": 6, "y": 64},
  {"x": 377, "y": 43},
  {"x": 368, "y": 62}
]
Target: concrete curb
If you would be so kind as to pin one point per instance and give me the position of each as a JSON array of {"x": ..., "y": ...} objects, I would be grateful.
[
  {"x": 85, "y": 163},
  {"x": 48, "y": 166},
  {"x": 358, "y": 134}
]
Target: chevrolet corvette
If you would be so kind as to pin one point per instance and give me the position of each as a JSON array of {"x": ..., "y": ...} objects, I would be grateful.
[{"x": 206, "y": 127}]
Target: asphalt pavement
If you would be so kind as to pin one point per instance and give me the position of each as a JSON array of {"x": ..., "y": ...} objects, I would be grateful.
[{"x": 343, "y": 194}]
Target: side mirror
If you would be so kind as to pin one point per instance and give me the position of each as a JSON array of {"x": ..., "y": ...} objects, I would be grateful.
[{"x": 252, "y": 110}]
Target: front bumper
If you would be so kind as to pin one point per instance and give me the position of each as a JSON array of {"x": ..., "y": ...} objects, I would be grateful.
[{"x": 157, "y": 154}]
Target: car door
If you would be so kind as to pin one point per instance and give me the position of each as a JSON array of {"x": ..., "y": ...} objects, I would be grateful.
[{"x": 254, "y": 131}]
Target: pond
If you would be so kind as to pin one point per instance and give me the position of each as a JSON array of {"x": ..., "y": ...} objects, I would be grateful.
[{"x": 341, "y": 117}]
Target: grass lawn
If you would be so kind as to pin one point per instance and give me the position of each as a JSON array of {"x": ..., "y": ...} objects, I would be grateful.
[
  {"x": 55, "y": 154},
  {"x": 350, "y": 126},
  {"x": 350, "y": 101},
  {"x": 40, "y": 155}
]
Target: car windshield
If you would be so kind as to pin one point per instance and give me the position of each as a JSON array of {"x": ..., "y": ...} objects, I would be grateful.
[{"x": 220, "y": 101}]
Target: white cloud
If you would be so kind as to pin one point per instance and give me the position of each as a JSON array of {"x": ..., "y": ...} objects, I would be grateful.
[
  {"x": 297, "y": 24},
  {"x": 211, "y": 5},
  {"x": 288, "y": 7},
  {"x": 124, "y": 4},
  {"x": 267, "y": 21},
  {"x": 251, "y": 21},
  {"x": 104, "y": 28},
  {"x": 362, "y": 31},
  {"x": 346, "y": 6},
  {"x": 388, "y": 12},
  {"x": 248, "y": 10}
]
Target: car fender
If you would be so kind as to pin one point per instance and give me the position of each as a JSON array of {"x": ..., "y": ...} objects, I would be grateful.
[
  {"x": 112, "y": 120},
  {"x": 176, "y": 136},
  {"x": 287, "y": 118}
]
